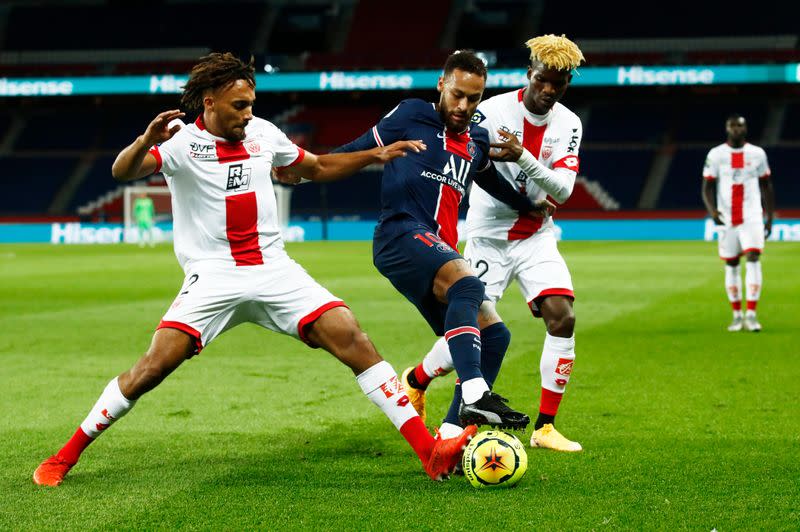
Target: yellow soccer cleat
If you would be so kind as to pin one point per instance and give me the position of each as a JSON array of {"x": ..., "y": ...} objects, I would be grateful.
[
  {"x": 415, "y": 395},
  {"x": 548, "y": 437}
]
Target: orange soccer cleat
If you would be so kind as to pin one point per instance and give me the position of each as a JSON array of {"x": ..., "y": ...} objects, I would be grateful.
[
  {"x": 447, "y": 453},
  {"x": 51, "y": 472}
]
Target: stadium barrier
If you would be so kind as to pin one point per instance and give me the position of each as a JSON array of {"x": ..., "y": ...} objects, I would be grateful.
[{"x": 576, "y": 229}]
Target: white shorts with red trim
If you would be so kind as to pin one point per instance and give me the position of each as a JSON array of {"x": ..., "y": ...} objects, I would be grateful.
[
  {"x": 741, "y": 239},
  {"x": 278, "y": 295},
  {"x": 534, "y": 262}
]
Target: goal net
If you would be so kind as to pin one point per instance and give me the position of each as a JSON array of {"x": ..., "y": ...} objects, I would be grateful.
[
  {"x": 162, "y": 206},
  {"x": 162, "y": 203}
]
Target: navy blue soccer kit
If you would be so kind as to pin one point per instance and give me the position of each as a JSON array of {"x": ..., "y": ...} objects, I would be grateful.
[{"x": 416, "y": 232}]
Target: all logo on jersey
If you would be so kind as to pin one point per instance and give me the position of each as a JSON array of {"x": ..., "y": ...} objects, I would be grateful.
[
  {"x": 238, "y": 178},
  {"x": 458, "y": 172}
]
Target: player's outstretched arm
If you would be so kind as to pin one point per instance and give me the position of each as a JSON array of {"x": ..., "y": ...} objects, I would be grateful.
[
  {"x": 558, "y": 184},
  {"x": 335, "y": 166},
  {"x": 710, "y": 200},
  {"x": 768, "y": 202},
  {"x": 134, "y": 162},
  {"x": 490, "y": 181}
]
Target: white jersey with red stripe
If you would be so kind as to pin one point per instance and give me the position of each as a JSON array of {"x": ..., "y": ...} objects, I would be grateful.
[
  {"x": 554, "y": 139},
  {"x": 737, "y": 172},
  {"x": 223, "y": 204}
]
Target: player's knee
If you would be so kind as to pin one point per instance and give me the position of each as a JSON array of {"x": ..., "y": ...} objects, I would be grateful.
[
  {"x": 732, "y": 262},
  {"x": 562, "y": 324},
  {"x": 753, "y": 256},
  {"x": 468, "y": 288}
]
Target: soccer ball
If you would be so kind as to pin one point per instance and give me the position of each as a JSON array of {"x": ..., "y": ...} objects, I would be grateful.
[{"x": 494, "y": 459}]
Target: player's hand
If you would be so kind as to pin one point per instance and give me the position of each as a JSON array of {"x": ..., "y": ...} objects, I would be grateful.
[
  {"x": 717, "y": 217},
  {"x": 543, "y": 208},
  {"x": 159, "y": 131},
  {"x": 398, "y": 149},
  {"x": 768, "y": 227},
  {"x": 510, "y": 150},
  {"x": 285, "y": 176}
]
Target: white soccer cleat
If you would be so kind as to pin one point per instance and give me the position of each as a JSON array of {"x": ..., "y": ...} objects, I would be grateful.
[
  {"x": 751, "y": 323},
  {"x": 736, "y": 325}
]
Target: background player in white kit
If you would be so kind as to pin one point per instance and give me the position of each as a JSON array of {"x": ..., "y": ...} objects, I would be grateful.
[
  {"x": 228, "y": 242},
  {"x": 503, "y": 246},
  {"x": 736, "y": 184}
]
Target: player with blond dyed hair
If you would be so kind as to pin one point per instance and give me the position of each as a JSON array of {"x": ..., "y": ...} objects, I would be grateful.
[{"x": 537, "y": 141}]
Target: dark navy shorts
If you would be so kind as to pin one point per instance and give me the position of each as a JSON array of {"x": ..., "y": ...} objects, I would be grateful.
[{"x": 410, "y": 261}]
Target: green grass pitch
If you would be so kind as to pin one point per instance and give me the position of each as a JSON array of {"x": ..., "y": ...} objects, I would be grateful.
[{"x": 684, "y": 425}]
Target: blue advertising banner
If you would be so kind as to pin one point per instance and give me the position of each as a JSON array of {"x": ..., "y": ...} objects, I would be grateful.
[
  {"x": 628, "y": 229},
  {"x": 381, "y": 80}
]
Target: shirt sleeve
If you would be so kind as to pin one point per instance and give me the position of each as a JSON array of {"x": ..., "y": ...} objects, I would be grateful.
[
  {"x": 763, "y": 169},
  {"x": 711, "y": 167},
  {"x": 287, "y": 153},
  {"x": 565, "y": 153},
  {"x": 167, "y": 156}
]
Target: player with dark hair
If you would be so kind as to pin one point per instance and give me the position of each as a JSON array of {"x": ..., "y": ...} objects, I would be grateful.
[
  {"x": 737, "y": 189},
  {"x": 415, "y": 240},
  {"x": 539, "y": 141},
  {"x": 227, "y": 240}
]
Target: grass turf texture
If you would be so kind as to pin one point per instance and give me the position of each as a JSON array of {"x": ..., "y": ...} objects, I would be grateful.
[{"x": 684, "y": 424}]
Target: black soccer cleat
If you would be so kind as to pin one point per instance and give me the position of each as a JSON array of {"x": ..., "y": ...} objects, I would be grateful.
[{"x": 491, "y": 410}]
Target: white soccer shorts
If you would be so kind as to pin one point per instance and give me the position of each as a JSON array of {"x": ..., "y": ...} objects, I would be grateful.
[
  {"x": 534, "y": 262},
  {"x": 278, "y": 295},
  {"x": 741, "y": 239}
]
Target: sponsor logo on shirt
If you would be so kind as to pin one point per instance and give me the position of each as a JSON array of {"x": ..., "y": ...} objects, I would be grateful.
[
  {"x": 202, "y": 151},
  {"x": 573, "y": 141},
  {"x": 238, "y": 178}
]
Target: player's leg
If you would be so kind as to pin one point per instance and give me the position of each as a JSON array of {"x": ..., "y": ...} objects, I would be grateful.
[
  {"x": 456, "y": 285},
  {"x": 495, "y": 338},
  {"x": 488, "y": 259},
  {"x": 337, "y": 331},
  {"x": 546, "y": 283},
  {"x": 751, "y": 238},
  {"x": 169, "y": 348},
  {"x": 729, "y": 251}
]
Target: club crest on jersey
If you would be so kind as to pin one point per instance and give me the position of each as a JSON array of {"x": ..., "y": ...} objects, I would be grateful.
[
  {"x": 252, "y": 146},
  {"x": 238, "y": 178},
  {"x": 472, "y": 149},
  {"x": 547, "y": 151}
]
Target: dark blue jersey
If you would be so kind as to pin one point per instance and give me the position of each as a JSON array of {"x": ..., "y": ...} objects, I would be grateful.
[{"x": 426, "y": 188}]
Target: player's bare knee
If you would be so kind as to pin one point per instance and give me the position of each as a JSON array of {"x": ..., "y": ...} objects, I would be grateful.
[
  {"x": 562, "y": 324},
  {"x": 487, "y": 315}
]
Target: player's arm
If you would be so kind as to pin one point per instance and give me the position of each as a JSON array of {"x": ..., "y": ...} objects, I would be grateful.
[
  {"x": 710, "y": 199},
  {"x": 557, "y": 183},
  {"x": 135, "y": 161},
  {"x": 335, "y": 166},
  {"x": 490, "y": 181},
  {"x": 768, "y": 202}
]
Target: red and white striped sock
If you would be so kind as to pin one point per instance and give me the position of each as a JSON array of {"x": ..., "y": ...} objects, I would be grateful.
[
  {"x": 381, "y": 385},
  {"x": 733, "y": 287},
  {"x": 111, "y": 406},
  {"x": 558, "y": 356},
  {"x": 752, "y": 279}
]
